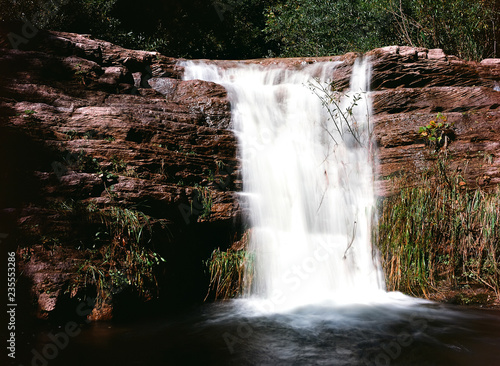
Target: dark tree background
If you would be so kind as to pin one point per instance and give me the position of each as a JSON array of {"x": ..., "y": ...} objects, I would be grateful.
[{"x": 237, "y": 29}]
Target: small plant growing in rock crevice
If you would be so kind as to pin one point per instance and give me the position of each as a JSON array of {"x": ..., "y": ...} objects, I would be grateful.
[
  {"x": 29, "y": 113},
  {"x": 117, "y": 165},
  {"x": 202, "y": 202},
  {"x": 82, "y": 75},
  {"x": 32, "y": 122},
  {"x": 438, "y": 133},
  {"x": 81, "y": 162}
]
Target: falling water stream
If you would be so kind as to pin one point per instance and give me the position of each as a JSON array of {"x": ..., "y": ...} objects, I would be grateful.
[
  {"x": 317, "y": 294},
  {"x": 307, "y": 179}
]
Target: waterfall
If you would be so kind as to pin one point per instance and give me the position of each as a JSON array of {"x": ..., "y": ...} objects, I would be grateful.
[{"x": 307, "y": 180}]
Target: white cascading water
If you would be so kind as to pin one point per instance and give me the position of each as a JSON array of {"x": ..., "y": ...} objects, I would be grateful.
[{"x": 308, "y": 184}]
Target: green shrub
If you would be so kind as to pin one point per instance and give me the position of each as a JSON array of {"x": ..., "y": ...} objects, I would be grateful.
[
  {"x": 322, "y": 28},
  {"x": 122, "y": 258},
  {"x": 236, "y": 29}
]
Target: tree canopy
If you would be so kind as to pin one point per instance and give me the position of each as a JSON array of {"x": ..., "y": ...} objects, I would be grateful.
[{"x": 236, "y": 29}]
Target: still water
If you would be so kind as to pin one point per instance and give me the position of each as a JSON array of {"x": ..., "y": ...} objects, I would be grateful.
[{"x": 400, "y": 331}]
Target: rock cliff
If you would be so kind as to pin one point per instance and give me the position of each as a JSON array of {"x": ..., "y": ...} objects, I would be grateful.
[
  {"x": 85, "y": 123},
  {"x": 410, "y": 87},
  {"x": 81, "y": 126}
]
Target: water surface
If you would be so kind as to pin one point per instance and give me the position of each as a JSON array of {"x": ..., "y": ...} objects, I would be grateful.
[{"x": 399, "y": 332}]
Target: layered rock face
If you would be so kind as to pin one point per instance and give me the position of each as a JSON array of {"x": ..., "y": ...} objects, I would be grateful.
[
  {"x": 81, "y": 124},
  {"x": 86, "y": 121},
  {"x": 410, "y": 87}
]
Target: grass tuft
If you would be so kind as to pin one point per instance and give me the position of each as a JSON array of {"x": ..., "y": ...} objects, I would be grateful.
[
  {"x": 228, "y": 273},
  {"x": 440, "y": 231}
]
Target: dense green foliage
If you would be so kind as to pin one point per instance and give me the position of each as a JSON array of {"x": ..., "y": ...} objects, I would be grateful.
[
  {"x": 180, "y": 28},
  {"x": 321, "y": 28},
  {"x": 316, "y": 28},
  {"x": 85, "y": 16},
  {"x": 465, "y": 28},
  {"x": 258, "y": 28}
]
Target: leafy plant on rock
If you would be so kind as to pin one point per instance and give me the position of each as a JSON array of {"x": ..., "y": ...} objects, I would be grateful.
[{"x": 438, "y": 132}]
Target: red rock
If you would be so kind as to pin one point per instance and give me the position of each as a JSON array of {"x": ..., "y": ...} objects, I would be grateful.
[
  {"x": 436, "y": 54},
  {"x": 86, "y": 120},
  {"x": 491, "y": 61}
]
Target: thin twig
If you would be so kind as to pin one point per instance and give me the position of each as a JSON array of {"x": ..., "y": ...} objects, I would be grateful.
[{"x": 352, "y": 240}]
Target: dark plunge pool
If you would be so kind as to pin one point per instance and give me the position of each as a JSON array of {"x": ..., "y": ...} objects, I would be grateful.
[{"x": 398, "y": 332}]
